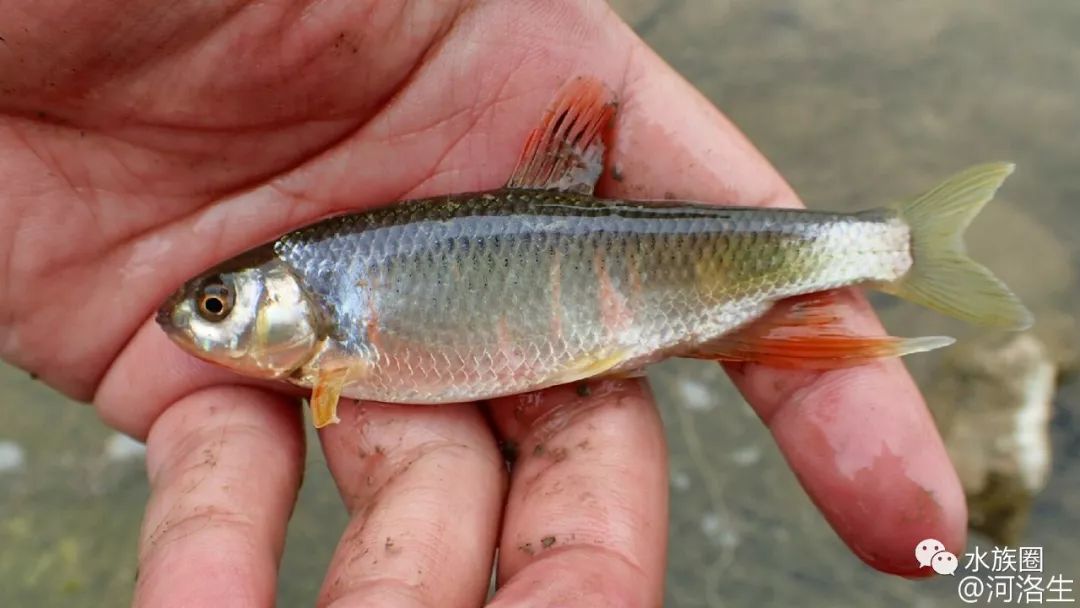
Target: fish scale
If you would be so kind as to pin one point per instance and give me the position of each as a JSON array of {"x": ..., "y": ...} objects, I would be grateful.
[{"x": 471, "y": 297}]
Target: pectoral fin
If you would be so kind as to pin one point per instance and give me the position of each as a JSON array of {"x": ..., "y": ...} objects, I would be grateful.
[
  {"x": 809, "y": 333},
  {"x": 566, "y": 151},
  {"x": 325, "y": 396}
]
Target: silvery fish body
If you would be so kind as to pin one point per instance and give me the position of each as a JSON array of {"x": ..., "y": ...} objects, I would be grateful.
[
  {"x": 472, "y": 296},
  {"x": 475, "y": 296}
]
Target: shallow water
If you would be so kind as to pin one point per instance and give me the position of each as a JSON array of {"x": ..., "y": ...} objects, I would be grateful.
[{"x": 856, "y": 103}]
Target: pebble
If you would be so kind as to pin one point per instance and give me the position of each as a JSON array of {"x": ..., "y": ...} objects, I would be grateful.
[
  {"x": 12, "y": 456},
  {"x": 746, "y": 456},
  {"x": 696, "y": 395},
  {"x": 719, "y": 531},
  {"x": 680, "y": 481},
  {"x": 119, "y": 448}
]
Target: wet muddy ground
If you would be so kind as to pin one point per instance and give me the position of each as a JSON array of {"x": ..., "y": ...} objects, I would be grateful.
[{"x": 856, "y": 103}]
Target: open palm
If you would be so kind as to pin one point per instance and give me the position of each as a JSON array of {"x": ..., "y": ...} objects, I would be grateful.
[{"x": 142, "y": 142}]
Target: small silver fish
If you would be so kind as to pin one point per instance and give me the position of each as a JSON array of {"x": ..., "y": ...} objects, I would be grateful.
[{"x": 473, "y": 296}]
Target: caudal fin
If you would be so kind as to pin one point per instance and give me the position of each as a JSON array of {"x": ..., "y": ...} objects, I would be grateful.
[{"x": 942, "y": 276}]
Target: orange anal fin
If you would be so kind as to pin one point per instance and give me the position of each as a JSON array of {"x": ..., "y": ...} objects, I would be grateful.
[
  {"x": 822, "y": 352},
  {"x": 566, "y": 151},
  {"x": 809, "y": 333},
  {"x": 325, "y": 396}
]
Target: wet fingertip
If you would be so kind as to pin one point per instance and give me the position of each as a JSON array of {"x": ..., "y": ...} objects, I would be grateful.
[
  {"x": 883, "y": 511},
  {"x": 865, "y": 449}
]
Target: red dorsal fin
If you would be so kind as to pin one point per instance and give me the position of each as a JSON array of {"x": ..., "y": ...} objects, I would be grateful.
[
  {"x": 566, "y": 151},
  {"x": 808, "y": 332}
]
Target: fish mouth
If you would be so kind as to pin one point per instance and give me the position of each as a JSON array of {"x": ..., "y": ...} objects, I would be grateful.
[{"x": 164, "y": 316}]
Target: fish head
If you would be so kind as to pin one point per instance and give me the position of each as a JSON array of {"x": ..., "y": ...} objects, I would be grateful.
[{"x": 254, "y": 318}]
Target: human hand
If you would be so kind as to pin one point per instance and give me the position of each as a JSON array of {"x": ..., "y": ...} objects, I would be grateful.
[{"x": 143, "y": 142}]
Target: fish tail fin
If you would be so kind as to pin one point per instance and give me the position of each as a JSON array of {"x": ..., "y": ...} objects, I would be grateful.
[{"x": 942, "y": 276}]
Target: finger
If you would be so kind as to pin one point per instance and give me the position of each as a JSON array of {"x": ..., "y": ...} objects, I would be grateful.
[
  {"x": 224, "y": 466},
  {"x": 132, "y": 395},
  {"x": 860, "y": 440},
  {"x": 424, "y": 486},
  {"x": 865, "y": 447},
  {"x": 586, "y": 516}
]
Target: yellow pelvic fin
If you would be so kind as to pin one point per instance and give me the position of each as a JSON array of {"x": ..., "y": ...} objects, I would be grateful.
[
  {"x": 589, "y": 366},
  {"x": 629, "y": 374},
  {"x": 325, "y": 396}
]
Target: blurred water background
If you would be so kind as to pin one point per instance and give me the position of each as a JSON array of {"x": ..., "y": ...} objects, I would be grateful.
[{"x": 855, "y": 102}]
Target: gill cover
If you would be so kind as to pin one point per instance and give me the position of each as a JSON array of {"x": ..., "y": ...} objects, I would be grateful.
[{"x": 250, "y": 315}]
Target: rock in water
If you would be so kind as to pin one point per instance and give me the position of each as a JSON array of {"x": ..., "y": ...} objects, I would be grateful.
[{"x": 992, "y": 398}]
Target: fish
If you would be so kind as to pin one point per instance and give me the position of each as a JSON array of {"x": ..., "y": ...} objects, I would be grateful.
[{"x": 472, "y": 296}]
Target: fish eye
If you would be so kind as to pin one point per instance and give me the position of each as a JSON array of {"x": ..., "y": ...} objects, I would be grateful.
[{"x": 215, "y": 300}]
